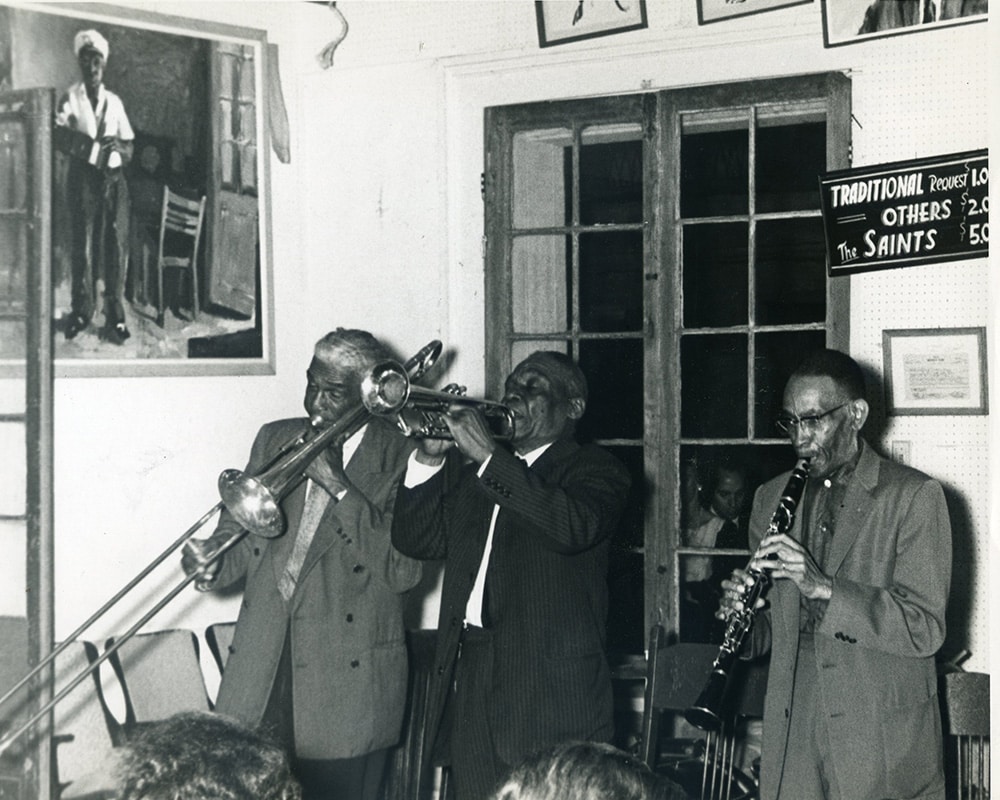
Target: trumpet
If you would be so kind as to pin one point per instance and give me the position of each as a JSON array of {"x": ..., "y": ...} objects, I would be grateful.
[
  {"x": 706, "y": 711},
  {"x": 388, "y": 389},
  {"x": 253, "y": 502}
]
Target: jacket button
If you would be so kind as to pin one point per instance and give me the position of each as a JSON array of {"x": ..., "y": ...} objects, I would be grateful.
[
  {"x": 355, "y": 664},
  {"x": 358, "y": 568},
  {"x": 786, "y": 713},
  {"x": 440, "y": 670},
  {"x": 350, "y": 618},
  {"x": 231, "y": 649},
  {"x": 256, "y": 551}
]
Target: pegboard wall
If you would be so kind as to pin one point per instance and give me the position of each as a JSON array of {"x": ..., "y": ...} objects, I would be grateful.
[{"x": 910, "y": 102}]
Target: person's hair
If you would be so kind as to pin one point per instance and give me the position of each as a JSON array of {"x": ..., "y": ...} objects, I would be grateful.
[
  {"x": 198, "y": 755},
  {"x": 585, "y": 771},
  {"x": 353, "y": 347},
  {"x": 566, "y": 377},
  {"x": 839, "y": 367}
]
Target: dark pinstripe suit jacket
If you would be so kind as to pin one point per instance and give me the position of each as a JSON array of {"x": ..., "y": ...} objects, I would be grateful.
[{"x": 546, "y": 589}]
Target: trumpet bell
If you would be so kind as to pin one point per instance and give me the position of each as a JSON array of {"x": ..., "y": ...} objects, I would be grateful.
[{"x": 253, "y": 505}]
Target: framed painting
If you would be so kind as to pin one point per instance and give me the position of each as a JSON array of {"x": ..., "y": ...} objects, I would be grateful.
[
  {"x": 562, "y": 21},
  {"x": 715, "y": 10},
  {"x": 850, "y": 21},
  {"x": 935, "y": 371},
  {"x": 160, "y": 256}
]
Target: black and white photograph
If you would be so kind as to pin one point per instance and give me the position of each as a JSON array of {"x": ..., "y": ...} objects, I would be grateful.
[{"x": 497, "y": 400}]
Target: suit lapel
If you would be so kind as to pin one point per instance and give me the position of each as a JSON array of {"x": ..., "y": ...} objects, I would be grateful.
[{"x": 857, "y": 505}]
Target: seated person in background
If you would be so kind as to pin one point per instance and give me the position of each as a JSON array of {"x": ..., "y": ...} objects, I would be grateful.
[
  {"x": 585, "y": 771},
  {"x": 722, "y": 523},
  {"x": 200, "y": 756}
]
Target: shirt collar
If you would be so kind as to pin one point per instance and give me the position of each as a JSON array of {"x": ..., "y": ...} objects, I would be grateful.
[{"x": 533, "y": 455}]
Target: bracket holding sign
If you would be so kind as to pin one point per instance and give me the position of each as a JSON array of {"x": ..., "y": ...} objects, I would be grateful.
[{"x": 907, "y": 213}]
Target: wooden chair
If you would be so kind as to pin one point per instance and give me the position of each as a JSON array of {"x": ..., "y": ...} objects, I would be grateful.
[
  {"x": 965, "y": 707},
  {"x": 675, "y": 676},
  {"x": 219, "y": 636},
  {"x": 86, "y": 733},
  {"x": 181, "y": 223},
  {"x": 160, "y": 673},
  {"x": 409, "y": 774}
]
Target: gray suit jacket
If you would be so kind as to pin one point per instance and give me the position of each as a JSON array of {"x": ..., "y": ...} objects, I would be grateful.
[
  {"x": 346, "y": 627},
  {"x": 890, "y": 559}
]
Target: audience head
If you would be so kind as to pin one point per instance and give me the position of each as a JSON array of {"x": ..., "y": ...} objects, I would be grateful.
[
  {"x": 824, "y": 409},
  {"x": 333, "y": 381},
  {"x": 727, "y": 489},
  {"x": 585, "y": 771},
  {"x": 203, "y": 756},
  {"x": 547, "y": 392}
]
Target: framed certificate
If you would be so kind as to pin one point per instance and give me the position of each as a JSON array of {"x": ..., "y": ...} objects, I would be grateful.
[{"x": 935, "y": 371}]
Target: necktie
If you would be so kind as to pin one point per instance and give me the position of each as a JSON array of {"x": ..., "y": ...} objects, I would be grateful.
[
  {"x": 729, "y": 536},
  {"x": 312, "y": 512}
]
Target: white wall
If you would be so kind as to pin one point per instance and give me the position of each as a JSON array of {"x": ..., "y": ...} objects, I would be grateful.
[{"x": 377, "y": 223}]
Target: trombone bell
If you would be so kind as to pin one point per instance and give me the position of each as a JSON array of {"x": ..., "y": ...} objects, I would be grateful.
[{"x": 252, "y": 503}]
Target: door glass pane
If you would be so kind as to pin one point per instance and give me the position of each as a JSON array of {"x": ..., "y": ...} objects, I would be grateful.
[
  {"x": 629, "y": 532},
  {"x": 611, "y": 175},
  {"x": 614, "y": 370},
  {"x": 611, "y": 281},
  {"x": 715, "y": 275},
  {"x": 542, "y": 177},
  {"x": 714, "y": 386},
  {"x": 625, "y": 601},
  {"x": 790, "y": 271},
  {"x": 522, "y": 348},
  {"x": 540, "y": 278},
  {"x": 775, "y": 356},
  {"x": 790, "y": 158},
  {"x": 714, "y": 166}
]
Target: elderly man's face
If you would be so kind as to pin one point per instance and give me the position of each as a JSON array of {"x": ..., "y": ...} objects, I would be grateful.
[
  {"x": 91, "y": 67},
  {"x": 831, "y": 441},
  {"x": 332, "y": 389},
  {"x": 541, "y": 414}
]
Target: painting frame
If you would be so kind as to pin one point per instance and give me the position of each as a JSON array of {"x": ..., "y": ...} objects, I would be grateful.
[
  {"x": 557, "y": 19},
  {"x": 935, "y": 371},
  {"x": 710, "y": 11},
  {"x": 843, "y": 21},
  {"x": 227, "y": 328}
]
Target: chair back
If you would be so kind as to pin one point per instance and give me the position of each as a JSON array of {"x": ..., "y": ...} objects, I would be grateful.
[
  {"x": 85, "y": 731},
  {"x": 965, "y": 706},
  {"x": 13, "y": 667},
  {"x": 219, "y": 636},
  {"x": 161, "y": 675},
  {"x": 675, "y": 677},
  {"x": 181, "y": 215}
]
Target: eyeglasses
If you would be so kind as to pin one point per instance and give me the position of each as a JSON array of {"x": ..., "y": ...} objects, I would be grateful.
[{"x": 808, "y": 423}]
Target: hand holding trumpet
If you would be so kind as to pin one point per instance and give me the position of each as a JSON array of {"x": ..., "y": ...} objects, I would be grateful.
[
  {"x": 196, "y": 557},
  {"x": 469, "y": 432}
]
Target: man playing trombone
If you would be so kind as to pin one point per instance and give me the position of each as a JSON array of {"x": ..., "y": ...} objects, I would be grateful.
[
  {"x": 520, "y": 660},
  {"x": 319, "y": 653}
]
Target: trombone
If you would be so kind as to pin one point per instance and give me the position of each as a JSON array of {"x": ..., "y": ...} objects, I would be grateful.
[{"x": 252, "y": 501}]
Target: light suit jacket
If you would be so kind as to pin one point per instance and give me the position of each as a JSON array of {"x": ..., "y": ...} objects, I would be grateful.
[
  {"x": 890, "y": 560},
  {"x": 347, "y": 641}
]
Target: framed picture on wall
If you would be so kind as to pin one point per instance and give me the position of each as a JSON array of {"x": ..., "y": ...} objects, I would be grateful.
[
  {"x": 935, "y": 371},
  {"x": 560, "y": 21},
  {"x": 188, "y": 118},
  {"x": 850, "y": 21},
  {"x": 715, "y": 10}
]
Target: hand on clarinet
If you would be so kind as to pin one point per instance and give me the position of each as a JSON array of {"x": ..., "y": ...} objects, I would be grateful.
[
  {"x": 785, "y": 558},
  {"x": 733, "y": 590}
]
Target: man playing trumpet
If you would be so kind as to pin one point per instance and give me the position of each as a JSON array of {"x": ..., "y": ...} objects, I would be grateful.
[
  {"x": 319, "y": 653},
  {"x": 520, "y": 660}
]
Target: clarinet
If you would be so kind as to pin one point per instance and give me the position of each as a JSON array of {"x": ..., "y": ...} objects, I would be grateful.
[{"x": 705, "y": 713}]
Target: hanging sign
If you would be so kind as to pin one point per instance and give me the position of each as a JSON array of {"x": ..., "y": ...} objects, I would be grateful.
[{"x": 907, "y": 213}]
